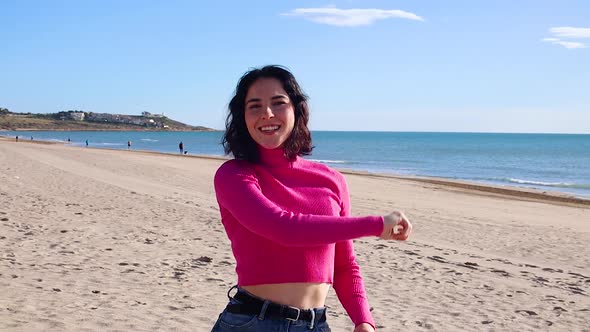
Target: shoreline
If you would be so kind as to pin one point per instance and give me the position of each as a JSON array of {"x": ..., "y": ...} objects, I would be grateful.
[{"x": 512, "y": 192}]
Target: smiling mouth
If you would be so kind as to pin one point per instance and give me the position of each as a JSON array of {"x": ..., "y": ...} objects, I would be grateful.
[{"x": 269, "y": 129}]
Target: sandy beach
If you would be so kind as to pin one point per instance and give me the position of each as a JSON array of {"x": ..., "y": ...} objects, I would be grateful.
[{"x": 103, "y": 240}]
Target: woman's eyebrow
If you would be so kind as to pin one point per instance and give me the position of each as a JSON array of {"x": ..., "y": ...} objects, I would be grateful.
[
  {"x": 252, "y": 100},
  {"x": 278, "y": 97}
]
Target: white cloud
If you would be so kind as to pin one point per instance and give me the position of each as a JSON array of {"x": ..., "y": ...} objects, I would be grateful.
[
  {"x": 566, "y": 44},
  {"x": 350, "y": 17},
  {"x": 570, "y": 45},
  {"x": 570, "y": 32}
]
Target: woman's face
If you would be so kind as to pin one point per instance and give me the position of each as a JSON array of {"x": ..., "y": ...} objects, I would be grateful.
[{"x": 269, "y": 113}]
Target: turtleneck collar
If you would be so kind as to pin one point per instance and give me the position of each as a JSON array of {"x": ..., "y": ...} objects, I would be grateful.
[{"x": 275, "y": 158}]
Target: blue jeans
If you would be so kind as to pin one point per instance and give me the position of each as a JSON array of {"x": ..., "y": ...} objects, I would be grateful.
[{"x": 230, "y": 322}]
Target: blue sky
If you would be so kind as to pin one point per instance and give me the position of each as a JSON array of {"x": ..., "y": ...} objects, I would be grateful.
[{"x": 476, "y": 66}]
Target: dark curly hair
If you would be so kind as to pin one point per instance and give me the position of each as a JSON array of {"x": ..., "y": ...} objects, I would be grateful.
[{"x": 237, "y": 139}]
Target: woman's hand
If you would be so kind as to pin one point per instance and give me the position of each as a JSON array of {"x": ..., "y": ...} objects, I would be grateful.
[
  {"x": 396, "y": 226},
  {"x": 364, "y": 327}
]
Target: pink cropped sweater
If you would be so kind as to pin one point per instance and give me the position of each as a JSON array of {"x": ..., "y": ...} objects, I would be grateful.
[{"x": 289, "y": 221}]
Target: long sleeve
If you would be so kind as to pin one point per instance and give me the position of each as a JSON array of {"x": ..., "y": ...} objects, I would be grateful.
[
  {"x": 348, "y": 281},
  {"x": 238, "y": 191},
  {"x": 349, "y": 286}
]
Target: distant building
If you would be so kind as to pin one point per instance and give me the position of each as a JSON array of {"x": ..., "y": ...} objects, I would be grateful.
[
  {"x": 151, "y": 115},
  {"x": 77, "y": 116}
]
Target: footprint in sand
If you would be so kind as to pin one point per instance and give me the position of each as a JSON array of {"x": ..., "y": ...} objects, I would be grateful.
[
  {"x": 411, "y": 253},
  {"x": 178, "y": 275},
  {"x": 501, "y": 272},
  {"x": 540, "y": 279},
  {"x": 527, "y": 312},
  {"x": 203, "y": 260},
  {"x": 438, "y": 259},
  {"x": 577, "y": 290},
  {"x": 469, "y": 265},
  {"x": 424, "y": 324}
]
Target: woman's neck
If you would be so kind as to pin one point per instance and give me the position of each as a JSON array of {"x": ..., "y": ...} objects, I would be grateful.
[{"x": 275, "y": 157}]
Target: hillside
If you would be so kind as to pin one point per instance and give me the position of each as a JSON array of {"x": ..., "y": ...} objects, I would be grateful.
[{"x": 77, "y": 120}]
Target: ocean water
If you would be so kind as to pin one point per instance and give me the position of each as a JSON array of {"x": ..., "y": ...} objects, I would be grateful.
[{"x": 550, "y": 162}]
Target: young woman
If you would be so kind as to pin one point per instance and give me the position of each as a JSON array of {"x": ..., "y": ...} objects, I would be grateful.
[{"x": 288, "y": 219}]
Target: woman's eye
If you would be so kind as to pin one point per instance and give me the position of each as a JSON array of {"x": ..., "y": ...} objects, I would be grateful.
[{"x": 254, "y": 107}]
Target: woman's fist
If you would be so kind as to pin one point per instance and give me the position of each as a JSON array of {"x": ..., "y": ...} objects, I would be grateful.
[{"x": 396, "y": 226}]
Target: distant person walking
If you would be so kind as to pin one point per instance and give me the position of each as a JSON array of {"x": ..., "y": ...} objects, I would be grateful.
[
  {"x": 128, "y": 145},
  {"x": 86, "y": 143},
  {"x": 181, "y": 147},
  {"x": 17, "y": 138}
]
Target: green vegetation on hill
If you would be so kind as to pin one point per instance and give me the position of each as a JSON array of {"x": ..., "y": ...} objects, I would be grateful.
[{"x": 79, "y": 120}]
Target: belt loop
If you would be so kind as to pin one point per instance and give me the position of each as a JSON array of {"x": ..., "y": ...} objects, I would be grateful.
[
  {"x": 312, "y": 319},
  {"x": 229, "y": 291},
  {"x": 263, "y": 310}
]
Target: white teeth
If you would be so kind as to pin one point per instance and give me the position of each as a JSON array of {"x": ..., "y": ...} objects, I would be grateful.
[{"x": 269, "y": 128}]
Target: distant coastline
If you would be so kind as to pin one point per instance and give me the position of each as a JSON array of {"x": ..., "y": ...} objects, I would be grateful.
[{"x": 91, "y": 121}]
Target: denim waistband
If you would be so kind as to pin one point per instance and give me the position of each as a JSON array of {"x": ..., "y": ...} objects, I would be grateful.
[{"x": 249, "y": 304}]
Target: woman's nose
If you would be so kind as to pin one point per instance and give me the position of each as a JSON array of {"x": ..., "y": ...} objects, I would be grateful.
[{"x": 267, "y": 113}]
